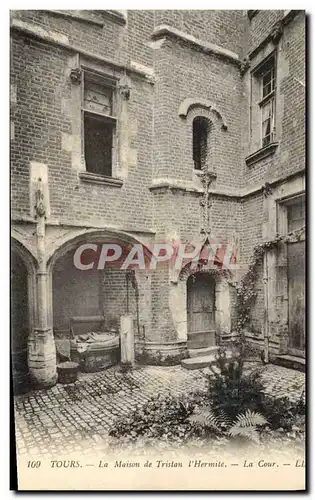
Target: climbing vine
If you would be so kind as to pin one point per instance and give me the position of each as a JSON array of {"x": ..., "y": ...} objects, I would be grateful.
[{"x": 246, "y": 288}]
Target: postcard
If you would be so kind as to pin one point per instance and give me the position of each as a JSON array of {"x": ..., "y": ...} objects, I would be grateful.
[{"x": 158, "y": 249}]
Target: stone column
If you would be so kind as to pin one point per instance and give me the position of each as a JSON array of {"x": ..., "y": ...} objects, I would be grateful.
[
  {"x": 223, "y": 307},
  {"x": 127, "y": 340},
  {"x": 41, "y": 345}
]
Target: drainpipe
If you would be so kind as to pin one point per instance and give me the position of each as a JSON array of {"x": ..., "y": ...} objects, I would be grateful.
[{"x": 266, "y": 308}]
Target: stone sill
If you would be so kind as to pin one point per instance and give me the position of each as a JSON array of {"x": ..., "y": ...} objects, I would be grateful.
[
  {"x": 175, "y": 185},
  {"x": 165, "y": 30},
  {"x": 115, "y": 16},
  {"x": 76, "y": 16},
  {"x": 261, "y": 153},
  {"x": 100, "y": 179}
]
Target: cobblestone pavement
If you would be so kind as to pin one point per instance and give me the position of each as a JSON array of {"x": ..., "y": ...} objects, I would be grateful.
[{"x": 77, "y": 417}]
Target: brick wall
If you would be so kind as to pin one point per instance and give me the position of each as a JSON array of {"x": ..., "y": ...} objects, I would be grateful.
[
  {"x": 260, "y": 26},
  {"x": 89, "y": 293},
  {"x": 289, "y": 157},
  {"x": 41, "y": 86},
  {"x": 221, "y": 27},
  {"x": 290, "y": 104},
  {"x": 160, "y": 141},
  {"x": 195, "y": 75}
]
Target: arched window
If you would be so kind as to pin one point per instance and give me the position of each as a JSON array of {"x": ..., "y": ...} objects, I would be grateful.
[{"x": 201, "y": 130}]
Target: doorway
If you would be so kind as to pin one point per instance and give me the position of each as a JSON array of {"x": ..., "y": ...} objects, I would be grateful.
[
  {"x": 296, "y": 296},
  {"x": 201, "y": 327},
  {"x": 20, "y": 324}
]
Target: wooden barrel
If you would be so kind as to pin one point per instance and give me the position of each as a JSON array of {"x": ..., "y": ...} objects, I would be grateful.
[{"x": 42, "y": 360}]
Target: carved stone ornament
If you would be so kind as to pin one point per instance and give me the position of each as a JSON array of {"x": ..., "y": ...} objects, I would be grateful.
[
  {"x": 276, "y": 32},
  {"x": 245, "y": 65},
  {"x": 76, "y": 76},
  {"x": 267, "y": 189},
  {"x": 205, "y": 203},
  {"x": 125, "y": 87},
  {"x": 39, "y": 198}
]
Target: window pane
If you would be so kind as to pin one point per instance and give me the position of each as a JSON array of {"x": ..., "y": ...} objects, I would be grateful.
[
  {"x": 268, "y": 82},
  {"x": 97, "y": 97},
  {"x": 266, "y": 127},
  {"x": 267, "y": 112},
  {"x": 201, "y": 129},
  {"x": 296, "y": 214},
  {"x": 98, "y": 141}
]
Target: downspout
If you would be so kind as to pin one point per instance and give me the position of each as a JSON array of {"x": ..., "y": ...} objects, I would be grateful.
[{"x": 266, "y": 309}]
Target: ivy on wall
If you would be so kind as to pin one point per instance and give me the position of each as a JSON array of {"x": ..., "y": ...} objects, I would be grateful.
[{"x": 246, "y": 288}]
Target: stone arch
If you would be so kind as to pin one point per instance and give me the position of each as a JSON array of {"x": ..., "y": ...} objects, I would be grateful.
[
  {"x": 23, "y": 310},
  {"x": 191, "y": 103},
  {"x": 22, "y": 245},
  {"x": 191, "y": 109},
  {"x": 69, "y": 242},
  {"x": 73, "y": 238}
]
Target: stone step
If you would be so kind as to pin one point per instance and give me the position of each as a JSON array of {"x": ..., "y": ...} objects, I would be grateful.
[
  {"x": 293, "y": 362},
  {"x": 205, "y": 351},
  {"x": 198, "y": 362}
]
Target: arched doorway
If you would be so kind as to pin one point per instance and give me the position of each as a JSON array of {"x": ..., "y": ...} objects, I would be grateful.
[
  {"x": 201, "y": 321},
  {"x": 20, "y": 323},
  {"x": 93, "y": 300}
]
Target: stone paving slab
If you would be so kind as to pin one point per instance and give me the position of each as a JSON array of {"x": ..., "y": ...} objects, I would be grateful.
[{"x": 77, "y": 417}]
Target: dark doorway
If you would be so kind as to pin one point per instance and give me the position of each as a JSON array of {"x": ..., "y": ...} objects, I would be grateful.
[{"x": 19, "y": 323}]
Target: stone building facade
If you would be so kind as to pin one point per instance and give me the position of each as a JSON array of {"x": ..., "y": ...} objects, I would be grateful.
[{"x": 202, "y": 125}]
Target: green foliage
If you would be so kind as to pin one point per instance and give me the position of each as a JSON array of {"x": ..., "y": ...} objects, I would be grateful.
[
  {"x": 244, "y": 426},
  {"x": 163, "y": 417},
  {"x": 281, "y": 412},
  {"x": 231, "y": 391},
  {"x": 234, "y": 407},
  {"x": 204, "y": 416},
  {"x": 246, "y": 288}
]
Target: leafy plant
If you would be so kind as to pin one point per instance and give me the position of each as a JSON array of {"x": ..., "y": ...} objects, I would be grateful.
[
  {"x": 163, "y": 417},
  {"x": 281, "y": 412},
  {"x": 245, "y": 424},
  {"x": 230, "y": 390}
]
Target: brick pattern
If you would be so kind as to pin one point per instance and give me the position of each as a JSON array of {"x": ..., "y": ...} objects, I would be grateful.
[
  {"x": 260, "y": 26},
  {"x": 195, "y": 76},
  {"x": 41, "y": 116},
  {"x": 160, "y": 141},
  {"x": 216, "y": 26}
]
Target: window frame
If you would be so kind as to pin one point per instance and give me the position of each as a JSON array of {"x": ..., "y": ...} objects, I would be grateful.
[
  {"x": 268, "y": 65},
  {"x": 106, "y": 82},
  {"x": 207, "y": 124},
  {"x": 283, "y": 206}
]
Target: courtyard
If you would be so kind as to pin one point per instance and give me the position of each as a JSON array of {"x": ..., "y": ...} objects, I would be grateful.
[{"x": 76, "y": 418}]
